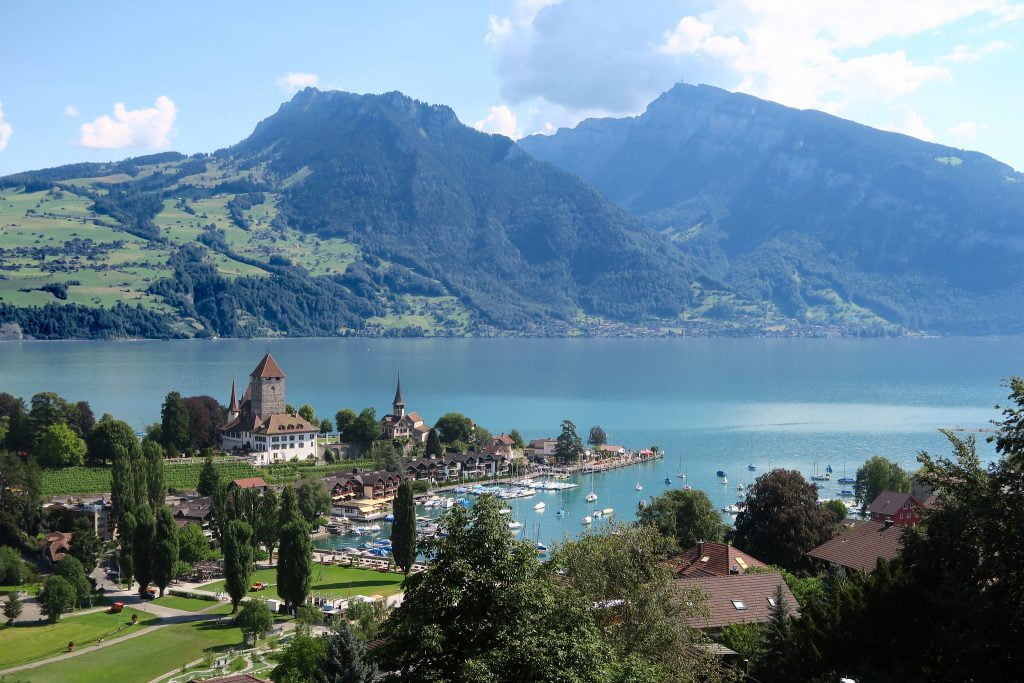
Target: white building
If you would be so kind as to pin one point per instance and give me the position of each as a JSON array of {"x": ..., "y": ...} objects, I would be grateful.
[{"x": 259, "y": 424}]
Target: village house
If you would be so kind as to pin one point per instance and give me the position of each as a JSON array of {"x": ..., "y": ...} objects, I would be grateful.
[
  {"x": 738, "y": 598},
  {"x": 99, "y": 513},
  {"x": 862, "y": 546},
  {"x": 541, "y": 450},
  {"x": 362, "y": 495},
  {"x": 444, "y": 468},
  {"x": 897, "y": 508},
  {"x": 197, "y": 511},
  {"x": 256, "y": 483},
  {"x": 402, "y": 425},
  {"x": 712, "y": 559},
  {"x": 259, "y": 424},
  {"x": 54, "y": 546}
]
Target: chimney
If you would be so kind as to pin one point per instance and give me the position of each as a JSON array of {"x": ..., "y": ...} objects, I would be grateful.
[
  {"x": 700, "y": 549},
  {"x": 888, "y": 523}
]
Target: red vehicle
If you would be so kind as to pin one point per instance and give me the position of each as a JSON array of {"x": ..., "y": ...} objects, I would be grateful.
[{"x": 116, "y": 607}]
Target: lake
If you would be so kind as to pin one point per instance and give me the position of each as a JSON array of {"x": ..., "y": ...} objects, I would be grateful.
[{"x": 710, "y": 404}]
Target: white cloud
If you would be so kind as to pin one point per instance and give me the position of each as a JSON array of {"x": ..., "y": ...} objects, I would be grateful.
[
  {"x": 688, "y": 37},
  {"x": 963, "y": 54},
  {"x": 910, "y": 122},
  {"x": 499, "y": 119},
  {"x": 498, "y": 29},
  {"x": 966, "y": 130},
  {"x": 295, "y": 81},
  {"x": 6, "y": 130},
  {"x": 132, "y": 128},
  {"x": 71, "y": 110}
]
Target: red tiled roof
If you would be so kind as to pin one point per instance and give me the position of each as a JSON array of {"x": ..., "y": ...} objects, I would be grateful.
[
  {"x": 283, "y": 423},
  {"x": 751, "y": 591},
  {"x": 860, "y": 547},
  {"x": 55, "y": 543},
  {"x": 268, "y": 367},
  {"x": 712, "y": 559},
  {"x": 250, "y": 483},
  {"x": 890, "y": 502}
]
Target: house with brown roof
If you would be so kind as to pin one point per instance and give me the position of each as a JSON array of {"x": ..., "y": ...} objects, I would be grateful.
[
  {"x": 541, "y": 449},
  {"x": 259, "y": 425},
  {"x": 249, "y": 483},
  {"x": 54, "y": 546},
  {"x": 862, "y": 546},
  {"x": 737, "y": 598},
  {"x": 198, "y": 511},
  {"x": 366, "y": 485},
  {"x": 896, "y": 508},
  {"x": 402, "y": 425},
  {"x": 712, "y": 559}
]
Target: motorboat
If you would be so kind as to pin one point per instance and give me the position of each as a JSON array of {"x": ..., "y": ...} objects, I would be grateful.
[
  {"x": 515, "y": 525},
  {"x": 846, "y": 480},
  {"x": 720, "y": 473},
  {"x": 847, "y": 493},
  {"x": 639, "y": 486},
  {"x": 725, "y": 480},
  {"x": 668, "y": 480},
  {"x": 597, "y": 514},
  {"x": 591, "y": 497},
  {"x": 588, "y": 519},
  {"x": 541, "y": 549},
  {"x": 732, "y": 509},
  {"x": 539, "y": 506},
  {"x": 607, "y": 511},
  {"x": 752, "y": 467}
]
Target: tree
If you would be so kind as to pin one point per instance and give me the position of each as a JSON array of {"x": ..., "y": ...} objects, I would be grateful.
[
  {"x": 597, "y": 436},
  {"x": 302, "y": 661},
  {"x": 343, "y": 418},
  {"x": 56, "y": 597},
  {"x": 308, "y": 615},
  {"x": 237, "y": 547},
  {"x": 127, "y": 490},
  {"x": 307, "y": 414},
  {"x": 142, "y": 544},
  {"x": 60, "y": 446},
  {"x": 205, "y": 418},
  {"x": 294, "y": 563},
  {"x": 165, "y": 548},
  {"x": 367, "y": 618},
  {"x": 288, "y": 510},
  {"x": 20, "y": 499},
  {"x": 209, "y": 478},
  {"x": 777, "y": 632},
  {"x": 364, "y": 429},
  {"x": 47, "y": 410},
  {"x": 621, "y": 572},
  {"x": 454, "y": 427},
  {"x": 192, "y": 544},
  {"x": 13, "y": 570},
  {"x": 313, "y": 499},
  {"x": 81, "y": 418},
  {"x": 517, "y": 440},
  {"x": 837, "y": 509},
  {"x": 85, "y": 544},
  {"x": 74, "y": 573},
  {"x": 325, "y": 427},
  {"x": 108, "y": 437},
  {"x": 568, "y": 447},
  {"x": 13, "y": 607},
  {"x": 156, "y": 485},
  {"x": 434, "y": 447},
  {"x": 685, "y": 515},
  {"x": 174, "y": 423},
  {"x": 266, "y": 530},
  {"x": 482, "y": 611},
  {"x": 876, "y": 475},
  {"x": 255, "y": 620},
  {"x": 345, "y": 659},
  {"x": 782, "y": 520},
  {"x": 403, "y": 529}
]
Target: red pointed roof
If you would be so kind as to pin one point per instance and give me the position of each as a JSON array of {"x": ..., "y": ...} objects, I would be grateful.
[
  {"x": 268, "y": 367},
  {"x": 233, "y": 406}
]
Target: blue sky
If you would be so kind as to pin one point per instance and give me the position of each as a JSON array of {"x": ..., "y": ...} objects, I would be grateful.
[{"x": 107, "y": 80}]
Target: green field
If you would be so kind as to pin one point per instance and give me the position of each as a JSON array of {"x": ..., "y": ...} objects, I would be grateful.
[
  {"x": 30, "y": 588},
  {"x": 185, "y": 604},
  {"x": 32, "y": 641},
  {"x": 143, "y": 658},
  {"x": 330, "y": 581}
]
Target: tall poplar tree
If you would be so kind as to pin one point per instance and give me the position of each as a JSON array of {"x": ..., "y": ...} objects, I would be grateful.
[
  {"x": 266, "y": 530},
  {"x": 165, "y": 548},
  {"x": 142, "y": 546},
  {"x": 237, "y": 547},
  {"x": 156, "y": 484},
  {"x": 403, "y": 529},
  {"x": 294, "y": 563}
]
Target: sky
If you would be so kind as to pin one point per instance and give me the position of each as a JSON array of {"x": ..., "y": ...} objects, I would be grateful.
[{"x": 108, "y": 80}]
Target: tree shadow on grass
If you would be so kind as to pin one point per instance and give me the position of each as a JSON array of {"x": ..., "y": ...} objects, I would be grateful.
[{"x": 355, "y": 585}]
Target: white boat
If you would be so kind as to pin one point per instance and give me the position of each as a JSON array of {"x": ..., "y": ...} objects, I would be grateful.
[
  {"x": 539, "y": 506},
  {"x": 725, "y": 480},
  {"x": 731, "y": 509},
  {"x": 739, "y": 487},
  {"x": 639, "y": 487},
  {"x": 587, "y": 519},
  {"x": 596, "y": 514},
  {"x": 505, "y": 511},
  {"x": 515, "y": 525},
  {"x": 591, "y": 497},
  {"x": 607, "y": 511}
]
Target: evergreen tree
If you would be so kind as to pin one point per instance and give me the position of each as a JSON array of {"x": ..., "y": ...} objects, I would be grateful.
[
  {"x": 174, "y": 423},
  {"x": 156, "y": 485},
  {"x": 597, "y": 436},
  {"x": 345, "y": 659},
  {"x": 568, "y": 446},
  {"x": 209, "y": 478},
  {"x": 165, "y": 548},
  {"x": 142, "y": 544},
  {"x": 237, "y": 547},
  {"x": 778, "y": 632},
  {"x": 434, "y": 447},
  {"x": 13, "y": 607},
  {"x": 288, "y": 510},
  {"x": 294, "y": 563},
  {"x": 403, "y": 529},
  {"x": 85, "y": 544},
  {"x": 266, "y": 530},
  {"x": 58, "y": 596}
]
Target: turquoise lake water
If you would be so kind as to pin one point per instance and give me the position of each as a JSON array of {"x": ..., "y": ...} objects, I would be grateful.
[{"x": 710, "y": 404}]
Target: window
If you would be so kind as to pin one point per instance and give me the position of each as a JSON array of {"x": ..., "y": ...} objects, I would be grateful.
[
  {"x": 771, "y": 602},
  {"x": 738, "y": 604}
]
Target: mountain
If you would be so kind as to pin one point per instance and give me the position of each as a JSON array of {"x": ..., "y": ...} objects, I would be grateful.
[
  {"x": 340, "y": 214},
  {"x": 825, "y": 219}
]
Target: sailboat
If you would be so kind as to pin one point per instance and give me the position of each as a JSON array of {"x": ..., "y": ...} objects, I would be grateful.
[
  {"x": 591, "y": 497},
  {"x": 845, "y": 479},
  {"x": 639, "y": 486},
  {"x": 681, "y": 473}
]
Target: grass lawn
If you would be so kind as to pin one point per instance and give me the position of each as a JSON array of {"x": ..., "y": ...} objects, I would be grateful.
[
  {"x": 30, "y": 588},
  {"x": 38, "y": 640},
  {"x": 329, "y": 581},
  {"x": 184, "y": 604},
  {"x": 143, "y": 658}
]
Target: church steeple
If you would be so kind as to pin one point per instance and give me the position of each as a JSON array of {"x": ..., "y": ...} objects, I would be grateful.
[
  {"x": 233, "y": 406},
  {"x": 398, "y": 405}
]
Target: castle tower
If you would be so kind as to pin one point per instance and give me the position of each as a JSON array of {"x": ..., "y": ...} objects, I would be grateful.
[
  {"x": 233, "y": 405},
  {"x": 266, "y": 387},
  {"x": 398, "y": 405}
]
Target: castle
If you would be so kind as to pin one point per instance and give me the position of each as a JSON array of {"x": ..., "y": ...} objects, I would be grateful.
[{"x": 259, "y": 424}]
